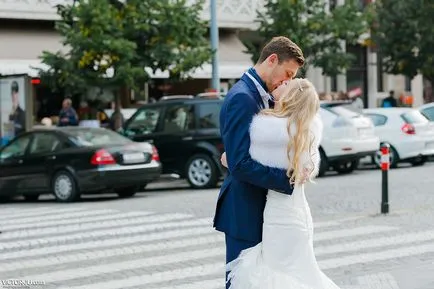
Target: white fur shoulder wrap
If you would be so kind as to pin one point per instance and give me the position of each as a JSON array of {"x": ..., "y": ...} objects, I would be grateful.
[{"x": 269, "y": 141}]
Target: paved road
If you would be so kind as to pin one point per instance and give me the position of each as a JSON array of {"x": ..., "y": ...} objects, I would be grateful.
[{"x": 163, "y": 238}]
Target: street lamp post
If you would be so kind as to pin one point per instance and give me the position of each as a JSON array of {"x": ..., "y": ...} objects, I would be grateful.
[{"x": 214, "y": 46}]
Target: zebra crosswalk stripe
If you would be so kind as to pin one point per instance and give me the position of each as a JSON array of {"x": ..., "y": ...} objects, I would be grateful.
[
  {"x": 65, "y": 219},
  {"x": 147, "y": 279},
  {"x": 156, "y": 261},
  {"x": 9, "y": 217},
  {"x": 91, "y": 226},
  {"x": 156, "y": 237},
  {"x": 111, "y": 252},
  {"x": 175, "y": 251},
  {"x": 113, "y": 232},
  {"x": 11, "y": 210},
  {"x": 379, "y": 280},
  {"x": 208, "y": 284}
]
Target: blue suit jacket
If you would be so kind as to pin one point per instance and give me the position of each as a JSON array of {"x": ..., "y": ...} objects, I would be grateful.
[{"x": 242, "y": 197}]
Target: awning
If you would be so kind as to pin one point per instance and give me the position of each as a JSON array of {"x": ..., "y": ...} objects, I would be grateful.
[
  {"x": 22, "y": 66},
  {"x": 233, "y": 62},
  {"x": 226, "y": 71}
]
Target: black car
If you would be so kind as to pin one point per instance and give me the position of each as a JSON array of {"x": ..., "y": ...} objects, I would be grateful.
[
  {"x": 69, "y": 161},
  {"x": 187, "y": 135}
]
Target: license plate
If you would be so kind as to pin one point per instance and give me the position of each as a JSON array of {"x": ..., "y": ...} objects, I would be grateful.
[{"x": 134, "y": 158}]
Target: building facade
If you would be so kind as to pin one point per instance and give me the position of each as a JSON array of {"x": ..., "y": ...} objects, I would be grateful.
[{"x": 27, "y": 29}]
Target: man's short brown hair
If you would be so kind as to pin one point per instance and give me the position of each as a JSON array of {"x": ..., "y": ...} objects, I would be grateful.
[{"x": 285, "y": 50}]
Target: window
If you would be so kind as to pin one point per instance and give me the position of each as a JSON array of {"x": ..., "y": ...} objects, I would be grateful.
[
  {"x": 144, "y": 122},
  {"x": 377, "y": 119},
  {"x": 326, "y": 115},
  {"x": 429, "y": 113},
  {"x": 333, "y": 4},
  {"x": 380, "y": 67},
  {"x": 96, "y": 137},
  {"x": 342, "y": 111},
  {"x": 45, "y": 143},
  {"x": 178, "y": 118},
  {"x": 208, "y": 114},
  {"x": 364, "y": 3},
  {"x": 407, "y": 83},
  {"x": 334, "y": 83},
  {"x": 16, "y": 148},
  {"x": 414, "y": 117}
]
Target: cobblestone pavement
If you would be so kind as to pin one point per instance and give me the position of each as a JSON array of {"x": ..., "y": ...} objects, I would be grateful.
[{"x": 162, "y": 238}]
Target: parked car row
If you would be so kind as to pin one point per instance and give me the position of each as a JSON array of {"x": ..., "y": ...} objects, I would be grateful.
[
  {"x": 408, "y": 132},
  {"x": 71, "y": 161},
  {"x": 428, "y": 111},
  {"x": 348, "y": 136},
  {"x": 181, "y": 135},
  {"x": 186, "y": 133}
]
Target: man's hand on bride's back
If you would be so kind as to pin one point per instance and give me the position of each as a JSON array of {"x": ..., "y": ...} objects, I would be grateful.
[{"x": 223, "y": 160}]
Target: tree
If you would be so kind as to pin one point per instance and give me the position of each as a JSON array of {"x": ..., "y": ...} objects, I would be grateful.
[
  {"x": 111, "y": 42},
  {"x": 98, "y": 53},
  {"x": 319, "y": 34},
  {"x": 403, "y": 32},
  {"x": 170, "y": 35}
]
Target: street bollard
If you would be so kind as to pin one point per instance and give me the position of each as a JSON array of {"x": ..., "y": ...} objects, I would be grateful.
[{"x": 385, "y": 165}]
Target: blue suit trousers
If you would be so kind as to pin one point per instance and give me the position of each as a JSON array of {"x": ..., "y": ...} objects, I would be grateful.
[{"x": 233, "y": 249}]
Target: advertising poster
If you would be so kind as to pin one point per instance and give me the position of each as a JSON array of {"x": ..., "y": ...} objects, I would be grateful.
[{"x": 13, "y": 107}]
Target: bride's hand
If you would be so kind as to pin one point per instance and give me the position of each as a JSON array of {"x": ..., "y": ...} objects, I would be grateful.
[
  {"x": 223, "y": 160},
  {"x": 306, "y": 175}
]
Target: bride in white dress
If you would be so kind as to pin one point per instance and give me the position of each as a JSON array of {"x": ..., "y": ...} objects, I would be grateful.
[{"x": 287, "y": 137}]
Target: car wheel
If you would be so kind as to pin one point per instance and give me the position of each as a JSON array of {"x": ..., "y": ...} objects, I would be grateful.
[
  {"x": 31, "y": 198},
  {"x": 346, "y": 168},
  {"x": 393, "y": 158},
  {"x": 324, "y": 164},
  {"x": 64, "y": 187},
  {"x": 127, "y": 192},
  {"x": 419, "y": 161},
  {"x": 201, "y": 172}
]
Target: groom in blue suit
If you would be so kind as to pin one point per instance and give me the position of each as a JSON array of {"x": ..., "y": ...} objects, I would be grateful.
[{"x": 241, "y": 202}]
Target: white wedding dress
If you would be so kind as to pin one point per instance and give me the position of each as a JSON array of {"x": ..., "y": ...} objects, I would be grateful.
[{"x": 285, "y": 258}]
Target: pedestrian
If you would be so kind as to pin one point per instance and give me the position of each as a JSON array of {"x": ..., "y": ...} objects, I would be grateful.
[
  {"x": 68, "y": 115},
  {"x": 390, "y": 101}
]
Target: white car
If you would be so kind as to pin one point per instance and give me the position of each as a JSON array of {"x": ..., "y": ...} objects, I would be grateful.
[
  {"x": 409, "y": 134},
  {"x": 428, "y": 110},
  {"x": 348, "y": 136}
]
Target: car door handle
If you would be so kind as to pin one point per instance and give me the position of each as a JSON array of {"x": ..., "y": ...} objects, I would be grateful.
[
  {"x": 20, "y": 161},
  {"x": 51, "y": 157},
  {"x": 187, "y": 138}
]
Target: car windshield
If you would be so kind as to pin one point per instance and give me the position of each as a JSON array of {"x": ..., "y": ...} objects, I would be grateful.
[
  {"x": 96, "y": 137},
  {"x": 414, "y": 117},
  {"x": 343, "y": 111}
]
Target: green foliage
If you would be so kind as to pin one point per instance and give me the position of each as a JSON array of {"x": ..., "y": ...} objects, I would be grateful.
[
  {"x": 111, "y": 42},
  {"x": 318, "y": 33},
  {"x": 403, "y": 32}
]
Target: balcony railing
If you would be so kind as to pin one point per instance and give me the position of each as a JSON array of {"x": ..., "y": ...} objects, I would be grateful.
[{"x": 230, "y": 14}]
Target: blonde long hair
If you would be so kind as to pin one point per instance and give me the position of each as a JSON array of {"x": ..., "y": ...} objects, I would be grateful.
[{"x": 299, "y": 104}]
